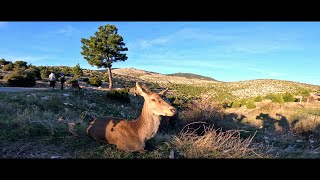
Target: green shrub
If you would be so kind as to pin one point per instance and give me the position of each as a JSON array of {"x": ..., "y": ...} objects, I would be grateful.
[
  {"x": 4, "y": 62},
  {"x": 21, "y": 78},
  {"x": 121, "y": 95},
  {"x": 36, "y": 71},
  {"x": 258, "y": 99},
  {"x": 66, "y": 69},
  {"x": 251, "y": 104},
  {"x": 235, "y": 104},
  {"x": 72, "y": 81},
  {"x": 243, "y": 102},
  {"x": 8, "y": 67},
  {"x": 85, "y": 79},
  {"x": 288, "y": 97},
  {"x": 76, "y": 70},
  {"x": 187, "y": 90},
  {"x": 20, "y": 64},
  {"x": 95, "y": 81},
  {"x": 105, "y": 77},
  {"x": 44, "y": 73},
  {"x": 180, "y": 103},
  {"x": 277, "y": 98}
]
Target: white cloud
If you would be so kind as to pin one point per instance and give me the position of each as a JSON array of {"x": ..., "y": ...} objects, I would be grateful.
[
  {"x": 250, "y": 41},
  {"x": 158, "y": 41},
  {"x": 187, "y": 34},
  {"x": 29, "y": 59},
  {"x": 66, "y": 30}
]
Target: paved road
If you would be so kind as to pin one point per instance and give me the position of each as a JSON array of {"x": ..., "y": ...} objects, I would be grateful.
[{"x": 19, "y": 89}]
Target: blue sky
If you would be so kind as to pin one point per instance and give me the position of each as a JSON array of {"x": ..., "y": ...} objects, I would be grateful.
[{"x": 226, "y": 51}]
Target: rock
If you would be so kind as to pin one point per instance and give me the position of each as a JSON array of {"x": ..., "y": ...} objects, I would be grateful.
[
  {"x": 171, "y": 156},
  {"x": 55, "y": 157},
  {"x": 67, "y": 104},
  {"x": 60, "y": 119},
  {"x": 45, "y": 98},
  {"x": 299, "y": 141},
  {"x": 66, "y": 95}
]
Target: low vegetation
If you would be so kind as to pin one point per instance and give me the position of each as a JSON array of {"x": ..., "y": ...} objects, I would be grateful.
[
  {"x": 21, "y": 78},
  {"x": 252, "y": 119}
]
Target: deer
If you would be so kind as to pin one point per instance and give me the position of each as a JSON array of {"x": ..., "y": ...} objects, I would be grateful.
[{"x": 131, "y": 135}]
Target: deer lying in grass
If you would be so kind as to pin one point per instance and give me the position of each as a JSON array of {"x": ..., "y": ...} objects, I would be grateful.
[{"x": 132, "y": 135}]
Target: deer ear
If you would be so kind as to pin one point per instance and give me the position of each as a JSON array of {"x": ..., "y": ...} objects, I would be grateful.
[
  {"x": 140, "y": 90},
  {"x": 132, "y": 91},
  {"x": 145, "y": 88},
  {"x": 163, "y": 92}
]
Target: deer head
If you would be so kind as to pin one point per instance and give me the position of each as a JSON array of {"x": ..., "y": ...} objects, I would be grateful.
[{"x": 154, "y": 102}]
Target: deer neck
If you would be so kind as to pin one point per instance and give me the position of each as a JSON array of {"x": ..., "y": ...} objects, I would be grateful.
[{"x": 148, "y": 123}]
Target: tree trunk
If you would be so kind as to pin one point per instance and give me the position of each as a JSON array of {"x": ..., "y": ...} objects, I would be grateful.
[{"x": 110, "y": 77}]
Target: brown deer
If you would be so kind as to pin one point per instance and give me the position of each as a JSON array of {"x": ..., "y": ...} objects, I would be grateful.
[{"x": 132, "y": 135}]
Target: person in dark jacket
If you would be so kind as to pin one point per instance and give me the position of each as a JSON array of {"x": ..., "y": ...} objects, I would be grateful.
[{"x": 62, "y": 80}]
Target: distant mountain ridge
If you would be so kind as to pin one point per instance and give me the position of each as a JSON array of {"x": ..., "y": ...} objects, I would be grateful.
[{"x": 191, "y": 75}]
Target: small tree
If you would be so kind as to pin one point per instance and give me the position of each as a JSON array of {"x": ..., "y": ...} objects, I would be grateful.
[
  {"x": 95, "y": 81},
  {"x": 66, "y": 69},
  {"x": 251, "y": 104},
  {"x": 8, "y": 67},
  {"x": 20, "y": 64},
  {"x": 4, "y": 62},
  {"x": 288, "y": 97},
  {"x": 258, "y": 99},
  {"x": 77, "y": 71},
  {"x": 44, "y": 73},
  {"x": 104, "y": 48},
  {"x": 235, "y": 104},
  {"x": 36, "y": 72}
]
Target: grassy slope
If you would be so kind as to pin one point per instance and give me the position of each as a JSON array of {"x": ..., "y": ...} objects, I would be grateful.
[{"x": 32, "y": 126}]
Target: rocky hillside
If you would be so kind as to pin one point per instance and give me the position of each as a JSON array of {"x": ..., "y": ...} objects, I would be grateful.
[
  {"x": 160, "y": 78},
  {"x": 213, "y": 88},
  {"x": 192, "y": 76}
]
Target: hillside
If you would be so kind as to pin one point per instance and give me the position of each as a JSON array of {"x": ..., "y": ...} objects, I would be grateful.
[
  {"x": 193, "y": 85},
  {"x": 54, "y": 122},
  {"x": 184, "y": 85},
  {"x": 159, "y": 78},
  {"x": 192, "y": 76}
]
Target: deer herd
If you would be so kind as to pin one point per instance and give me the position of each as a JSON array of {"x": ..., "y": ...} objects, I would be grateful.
[{"x": 131, "y": 135}]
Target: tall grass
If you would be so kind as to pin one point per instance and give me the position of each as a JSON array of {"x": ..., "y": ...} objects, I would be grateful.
[{"x": 215, "y": 144}]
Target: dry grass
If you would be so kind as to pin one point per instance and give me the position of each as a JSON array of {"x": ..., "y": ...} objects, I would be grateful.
[
  {"x": 215, "y": 144},
  {"x": 201, "y": 111},
  {"x": 306, "y": 124}
]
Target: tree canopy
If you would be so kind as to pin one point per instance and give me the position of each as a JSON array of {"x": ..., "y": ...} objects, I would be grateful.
[{"x": 104, "y": 48}]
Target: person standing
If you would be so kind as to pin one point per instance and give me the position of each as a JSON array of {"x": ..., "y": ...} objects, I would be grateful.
[
  {"x": 52, "y": 79},
  {"x": 62, "y": 80}
]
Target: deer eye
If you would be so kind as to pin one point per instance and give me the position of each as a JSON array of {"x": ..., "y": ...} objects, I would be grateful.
[{"x": 153, "y": 100}]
